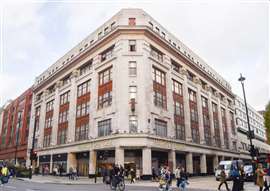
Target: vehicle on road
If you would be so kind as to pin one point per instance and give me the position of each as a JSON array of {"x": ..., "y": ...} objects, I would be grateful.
[
  {"x": 249, "y": 174},
  {"x": 227, "y": 166}
]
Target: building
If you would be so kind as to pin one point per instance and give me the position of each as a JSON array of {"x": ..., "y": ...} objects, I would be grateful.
[
  {"x": 132, "y": 93},
  {"x": 15, "y": 121},
  {"x": 256, "y": 121}
]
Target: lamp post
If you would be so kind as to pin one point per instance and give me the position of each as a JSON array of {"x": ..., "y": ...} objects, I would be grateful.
[
  {"x": 250, "y": 134},
  {"x": 33, "y": 142}
]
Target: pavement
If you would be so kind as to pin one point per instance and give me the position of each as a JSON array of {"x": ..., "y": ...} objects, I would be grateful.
[{"x": 55, "y": 183}]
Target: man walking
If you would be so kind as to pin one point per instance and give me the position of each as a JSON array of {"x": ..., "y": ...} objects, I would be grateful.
[
  {"x": 223, "y": 180},
  {"x": 177, "y": 176}
]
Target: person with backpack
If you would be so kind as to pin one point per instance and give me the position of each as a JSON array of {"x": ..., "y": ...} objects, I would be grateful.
[{"x": 223, "y": 180}]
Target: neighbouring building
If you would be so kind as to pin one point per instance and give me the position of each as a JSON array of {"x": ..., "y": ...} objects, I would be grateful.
[
  {"x": 132, "y": 93},
  {"x": 14, "y": 125},
  {"x": 256, "y": 121}
]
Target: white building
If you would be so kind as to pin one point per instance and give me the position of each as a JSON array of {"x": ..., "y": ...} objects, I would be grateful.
[
  {"x": 132, "y": 93},
  {"x": 256, "y": 124}
]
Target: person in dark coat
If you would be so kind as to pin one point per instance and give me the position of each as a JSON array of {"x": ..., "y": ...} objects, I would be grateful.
[
  {"x": 236, "y": 179},
  {"x": 241, "y": 178}
]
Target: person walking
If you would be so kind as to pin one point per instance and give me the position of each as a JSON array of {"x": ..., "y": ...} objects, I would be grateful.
[
  {"x": 223, "y": 180},
  {"x": 260, "y": 174},
  {"x": 177, "y": 176},
  {"x": 70, "y": 174},
  {"x": 132, "y": 175},
  {"x": 183, "y": 179},
  {"x": 241, "y": 179},
  {"x": 236, "y": 179}
]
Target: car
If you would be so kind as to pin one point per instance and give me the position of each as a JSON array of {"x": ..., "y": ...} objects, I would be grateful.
[
  {"x": 249, "y": 174},
  {"x": 226, "y": 165}
]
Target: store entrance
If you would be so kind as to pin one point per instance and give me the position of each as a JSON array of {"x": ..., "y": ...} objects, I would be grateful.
[{"x": 83, "y": 163}]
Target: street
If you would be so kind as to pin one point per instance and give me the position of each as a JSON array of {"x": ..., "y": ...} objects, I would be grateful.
[{"x": 196, "y": 184}]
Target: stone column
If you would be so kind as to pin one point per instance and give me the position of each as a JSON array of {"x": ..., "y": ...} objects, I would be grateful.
[
  {"x": 71, "y": 161},
  {"x": 55, "y": 117},
  {"x": 147, "y": 163},
  {"x": 41, "y": 124},
  {"x": 186, "y": 107},
  {"x": 200, "y": 113},
  {"x": 220, "y": 125},
  {"x": 92, "y": 163},
  {"x": 229, "y": 127},
  {"x": 189, "y": 163},
  {"x": 211, "y": 118},
  {"x": 51, "y": 163},
  {"x": 119, "y": 156},
  {"x": 215, "y": 161},
  {"x": 203, "y": 164},
  {"x": 72, "y": 109},
  {"x": 172, "y": 160}
]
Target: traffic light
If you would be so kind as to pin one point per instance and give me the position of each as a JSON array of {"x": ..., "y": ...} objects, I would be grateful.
[
  {"x": 254, "y": 151},
  {"x": 250, "y": 134},
  {"x": 33, "y": 155}
]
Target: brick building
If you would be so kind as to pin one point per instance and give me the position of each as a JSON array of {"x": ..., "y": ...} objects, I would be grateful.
[{"x": 15, "y": 121}]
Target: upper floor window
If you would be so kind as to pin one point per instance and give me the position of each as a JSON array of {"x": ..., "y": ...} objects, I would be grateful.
[
  {"x": 132, "y": 92},
  {"x": 177, "y": 87},
  {"x": 175, "y": 66},
  {"x": 63, "y": 117},
  {"x": 105, "y": 76},
  {"x": 104, "y": 127},
  {"x": 82, "y": 109},
  {"x": 64, "y": 98},
  {"x": 37, "y": 112},
  {"x": 192, "y": 95},
  {"x": 214, "y": 107},
  {"x": 157, "y": 54},
  {"x": 161, "y": 127},
  {"x": 132, "y": 68},
  {"x": 62, "y": 136},
  {"x": 222, "y": 112},
  {"x": 86, "y": 67},
  {"x": 113, "y": 25},
  {"x": 66, "y": 79},
  {"x": 132, "y": 45},
  {"x": 83, "y": 88},
  {"x": 131, "y": 21},
  {"x": 106, "y": 54},
  {"x": 133, "y": 124},
  {"x": 204, "y": 102},
  {"x": 159, "y": 76},
  {"x": 51, "y": 89},
  {"x": 190, "y": 76},
  {"x": 178, "y": 108},
  {"x": 49, "y": 106},
  {"x": 81, "y": 132},
  {"x": 48, "y": 122}
]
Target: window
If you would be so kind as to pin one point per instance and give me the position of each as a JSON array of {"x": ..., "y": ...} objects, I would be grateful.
[
  {"x": 192, "y": 95},
  {"x": 82, "y": 109},
  {"x": 151, "y": 25},
  {"x": 195, "y": 135},
  {"x": 81, "y": 132},
  {"x": 133, "y": 124},
  {"x": 83, "y": 88},
  {"x": 104, "y": 127},
  {"x": 63, "y": 117},
  {"x": 132, "y": 68},
  {"x": 194, "y": 115},
  {"x": 161, "y": 128},
  {"x": 132, "y": 45},
  {"x": 155, "y": 53},
  {"x": 157, "y": 29},
  {"x": 49, "y": 106},
  {"x": 37, "y": 113},
  {"x": 47, "y": 141},
  {"x": 66, "y": 79},
  {"x": 107, "y": 54},
  {"x": 86, "y": 67},
  {"x": 175, "y": 66},
  {"x": 234, "y": 145},
  {"x": 64, "y": 98},
  {"x": 99, "y": 35},
  {"x": 178, "y": 109},
  {"x": 159, "y": 87},
  {"x": 48, "y": 122},
  {"x": 179, "y": 131},
  {"x": 131, "y": 21},
  {"x": 51, "y": 89},
  {"x": 62, "y": 136},
  {"x": 204, "y": 102},
  {"x": 177, "y": 87},
  {"x": 105, "y": 76},
  {"x": 190, "y": 76},
  {"x": 214, "y": 107},
  {"x": 163, "y": 35},
  {"x": 159, "y": 76},
  {"x": 106, "y": 30},
  {"x": 113, "y": 25},
  {"x": 132, "y": 92},
  {"x": 105, "y": 88}
]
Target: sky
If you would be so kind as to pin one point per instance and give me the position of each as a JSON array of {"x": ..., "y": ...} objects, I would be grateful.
[{"x": 231, "y": 36}]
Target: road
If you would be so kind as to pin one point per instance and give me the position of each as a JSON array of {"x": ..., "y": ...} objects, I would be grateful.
[{"x": 198, "y": 184}]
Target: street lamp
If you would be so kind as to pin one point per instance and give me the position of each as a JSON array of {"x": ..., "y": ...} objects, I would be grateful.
[
  {"x": 250, "y": 134},
  {"x": 32, "y": 154}
]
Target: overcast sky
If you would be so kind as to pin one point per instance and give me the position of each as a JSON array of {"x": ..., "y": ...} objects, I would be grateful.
[{"x": 232, "y": 37}]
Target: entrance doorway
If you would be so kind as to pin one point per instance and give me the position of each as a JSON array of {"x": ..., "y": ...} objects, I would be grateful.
[{"x": 83, "y": 163}]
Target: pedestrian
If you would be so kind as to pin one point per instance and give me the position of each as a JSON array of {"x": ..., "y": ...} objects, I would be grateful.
[
  {"x": 236, "y": 178},
  {"x": 154, "y": 175},
  {"x": 75, "y": 174},
  {"x": 177, "y": 176},
  {"x": 183, "y": 179},
  {"x": 4, "y": 174},
  {"x": 70, "y": 174},
  {"x": 43, "y": 170},
  {"x": 260, "y": 173},
  {"x": 138, "y": 174},
  {"x": 223, "y": 180},
  {"x": 132, "y": 175},
  {"x": 241, "y": 179},
  {"x": 267, "y": 180}
]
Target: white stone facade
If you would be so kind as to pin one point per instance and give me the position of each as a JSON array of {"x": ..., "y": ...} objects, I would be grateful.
[{"x": 142, "y": 145}]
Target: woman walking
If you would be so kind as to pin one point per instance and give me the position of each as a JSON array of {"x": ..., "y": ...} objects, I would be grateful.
[{"x": 260, "y": 174}]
